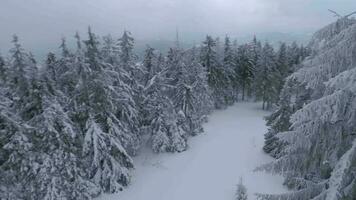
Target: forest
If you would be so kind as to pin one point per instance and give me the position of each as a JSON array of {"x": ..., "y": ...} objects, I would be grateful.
[{"x": 71, "y": 125}]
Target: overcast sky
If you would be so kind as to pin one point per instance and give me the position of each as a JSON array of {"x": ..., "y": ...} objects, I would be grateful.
[{"x": 42, "y": 22}]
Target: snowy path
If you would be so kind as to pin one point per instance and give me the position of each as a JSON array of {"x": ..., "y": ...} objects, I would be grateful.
[{"x": 229, "y": 148}]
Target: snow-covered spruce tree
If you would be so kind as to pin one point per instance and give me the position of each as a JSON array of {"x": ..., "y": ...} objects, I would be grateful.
[
  {"x": 126, "y": 44},
  {"x": 183, "y": 97},
  {"x": 29, "y": 161},
  {"x": 177, "y": 98},
  {"x": 283, "y": 65},
  {"x": 267, "y": 77},
  {"x": 191, "y": 93},
  {"x": 14, "y": 137},
  {"x": 130, "y": 74},
  {"x": 278, "y": 121},
  {"x": 318, "y": 159},
  {"x": 103, "y": 108},
  {"x": 21, "y": 74},
  {"x": 67, "y": 67},
  {"x": 241, "y": 191},
  {"x": 57, "y": 170},
  {"x": 256, "y": 46},
  {"x": 216, "y": 76},
  {"x": 294, "y": 54},
  {"x": 198, "y": 74},
  {"x": 150, "y": 63},
  {"x": 110, "y": 51},
  {"x": 3, "y": 70},
  {"x": 167, "y": 135},
  {"x": 245, "y": 69},
  {"x": 128, "y": 61},
  {"x": 14, "y": 150},
  {"x": 10, "y": 132},
  {"x": 51, "y": 67},
  {"x": 230, "y": 73},
  {"x": 151, "y": 68},
  {"x": 292, "y": 98}
]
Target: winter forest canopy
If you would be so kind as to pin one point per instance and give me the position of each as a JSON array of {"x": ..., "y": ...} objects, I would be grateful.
[{"x": 71, "y": 125}]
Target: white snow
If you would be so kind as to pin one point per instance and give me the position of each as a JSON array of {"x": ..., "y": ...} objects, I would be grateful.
[{"x": 230, "y": 147}]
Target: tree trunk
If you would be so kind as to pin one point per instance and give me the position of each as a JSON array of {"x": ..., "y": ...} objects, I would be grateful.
[
  {"x": 243, "y": 92},
  {"x": 263, "y": 100}
]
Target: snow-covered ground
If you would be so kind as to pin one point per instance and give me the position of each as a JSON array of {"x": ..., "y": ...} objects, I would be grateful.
[{"x": 230, "y": 147}]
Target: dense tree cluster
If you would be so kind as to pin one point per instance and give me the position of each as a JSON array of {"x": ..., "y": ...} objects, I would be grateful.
[
  {"x": 312, "y": 133},
  {"x": 69, "y": 126},
  {"x": 253, "y": 70}
]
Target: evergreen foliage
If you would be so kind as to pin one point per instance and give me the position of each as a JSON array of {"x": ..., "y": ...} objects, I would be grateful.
[
  {"x": 312, "y": 133},
  {"x": 70, "y": 126}
]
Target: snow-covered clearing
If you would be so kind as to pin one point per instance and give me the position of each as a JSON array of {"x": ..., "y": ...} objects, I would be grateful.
[{"x": 230, "y": 147}]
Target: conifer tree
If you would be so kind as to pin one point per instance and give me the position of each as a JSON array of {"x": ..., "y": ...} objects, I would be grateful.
[
  {"x": 127, "y": 58},
  {"x": 110, "y": 50},
  {"x": 148, "y": 63},
  {"x": 245, "y": 69},
  {"x": 216, "y": 76},
  {"x": 318, "y": 152},
  {"x": 229, "y": 71},
  {"x": 267, "y": 77},
  {"x": 241, "y": 192},
  {"x": 3, "y": 70},
  {"x": 102, "y": 120}
]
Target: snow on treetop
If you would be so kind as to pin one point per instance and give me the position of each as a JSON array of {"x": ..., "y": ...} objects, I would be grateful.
[
  {"x": 336, "y": 55},
  {"x": 328, "y": 32}
]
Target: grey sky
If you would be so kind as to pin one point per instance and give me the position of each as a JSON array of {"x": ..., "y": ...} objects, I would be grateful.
[{"x": 44, "y": 22}]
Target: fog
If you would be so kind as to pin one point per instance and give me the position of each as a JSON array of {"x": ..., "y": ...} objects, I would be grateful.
[{"x": 41, "y": 23}]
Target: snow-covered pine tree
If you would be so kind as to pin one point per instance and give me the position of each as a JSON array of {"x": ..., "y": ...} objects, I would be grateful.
[
  {"x": 294, "y": 54},
  {"x": 57, "y": 172},
  {"x": 40, "y": 146},
  {"x": 11, "y": 137},
  {"x": 278, "y": 121},
  {"x": 245, "y": 69},
  {"x": 149, "y": 64},
  {"x": 256, "y": 46},
  {"x": 167, "y": 134},
  {"x": 320, "y": 149},
  {"x": 216, "y": 76},
  {"x": 282, "y": 65},
  {"x": 255, "y": 50},
  {"x": 230, "y": 74},
  {"x": 51, "y": 69},
  {"x": 127, "y": 57},
  {"x": 181, "y": 85},
  {"x": 203, "y": 102},
  {"x": 110, "y": 50},
  {"x": 103, "y": 119},
  {"x": 192, "y": 95},
  {"x": 68, "y": 66},
  {"x": 183, "y": 97},
  {"x": 129, "y": 71},
  {"x": 3, "y": 70},
  {"x": 14, "y": 150},
  {"x": 267, "y": 77}
]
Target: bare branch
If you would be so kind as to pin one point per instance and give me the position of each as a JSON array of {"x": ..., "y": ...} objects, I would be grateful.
[
  {"x": 353, "y": 13},
  {"x": 335, "y": 13}
]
